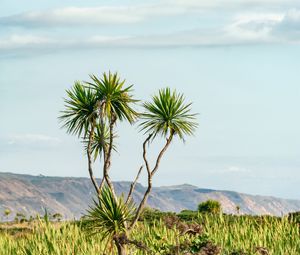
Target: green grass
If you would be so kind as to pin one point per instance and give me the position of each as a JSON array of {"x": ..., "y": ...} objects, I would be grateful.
[{"x": 281, "y": 236}]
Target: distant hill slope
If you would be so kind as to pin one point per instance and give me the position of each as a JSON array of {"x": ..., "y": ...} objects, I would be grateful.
[{"x": 71, "y": 197}]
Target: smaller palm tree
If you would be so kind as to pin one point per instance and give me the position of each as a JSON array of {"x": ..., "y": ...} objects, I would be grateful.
[
  {"x": 167, "y": 115},
  {"x": 109, "y": 217},
  {"x": 100, "y": 141},
  {"x": 114, "y": 103}
]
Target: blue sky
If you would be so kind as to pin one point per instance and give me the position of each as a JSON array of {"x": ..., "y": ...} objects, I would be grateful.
[{"x": 238, "y": 62}]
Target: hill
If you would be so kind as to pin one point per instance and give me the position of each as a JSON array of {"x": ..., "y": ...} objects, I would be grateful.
[{"x": 71, "y": 196}]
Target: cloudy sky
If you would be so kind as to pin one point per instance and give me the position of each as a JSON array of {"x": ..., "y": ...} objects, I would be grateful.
[{"x": 238, "y": 61}]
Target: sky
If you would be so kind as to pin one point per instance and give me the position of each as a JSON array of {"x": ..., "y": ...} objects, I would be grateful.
[{"x": 237, "y": 61}]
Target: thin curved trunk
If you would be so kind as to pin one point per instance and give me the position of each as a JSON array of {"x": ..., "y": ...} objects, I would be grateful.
[
  {"x": 90, "y": 160},
  {"x": 100, "y": 107},
  {"x": 142, "y": 204},
  {"x": 132, "y": 186},
  {"x": 107, "y": 159},
  {"x": 101, "y": 185},
  {"x": 121, "y": 248},
  {"x": 150, "y": 175}
]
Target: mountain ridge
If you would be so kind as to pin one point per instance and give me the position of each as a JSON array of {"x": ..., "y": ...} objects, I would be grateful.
[{"x": 71, "y": 196}]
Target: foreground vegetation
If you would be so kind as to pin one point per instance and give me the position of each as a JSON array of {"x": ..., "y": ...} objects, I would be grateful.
[
  {"x": 160, "y": 233},
  {"x": 114, "y": 224}
]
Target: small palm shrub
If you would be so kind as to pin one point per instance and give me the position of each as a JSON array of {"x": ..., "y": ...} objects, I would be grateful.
[{"x": 109, "y": 217}]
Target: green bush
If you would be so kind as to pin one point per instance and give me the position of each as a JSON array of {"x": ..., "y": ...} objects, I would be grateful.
[
  {"x": 151, "y": 215},
  {"x": 294, "y": 216},
  {"x": 188, "y": 215},
  {"x": 210, "y": 206}
]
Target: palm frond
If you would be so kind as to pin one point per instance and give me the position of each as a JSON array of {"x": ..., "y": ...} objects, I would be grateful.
[
  {"x": 115, "y": 97},
  {"x": 168, "y": 112},
  {"x": 108, "y": 216},
  {"x": 100, "y": 140},
  {"x": 80, "y": 110}
]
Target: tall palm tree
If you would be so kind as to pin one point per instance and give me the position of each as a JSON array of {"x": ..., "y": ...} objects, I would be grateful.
[
  {"x": 90, "y": 107},
  {"x": 80, "y": 118},
  {"x": 169, "y": 116},
  {"x": 114, "y": 103}
]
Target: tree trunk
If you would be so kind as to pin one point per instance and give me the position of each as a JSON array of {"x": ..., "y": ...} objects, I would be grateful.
[
  {"x": 107, "y": 158},
  {"x": 89, "y": 155},
  {"x": 121, "y": 248},
  {"x": 150, "y": 175}
]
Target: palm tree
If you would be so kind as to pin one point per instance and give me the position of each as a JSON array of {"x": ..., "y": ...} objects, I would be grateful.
[
  {"x": 169, "y": 116},
  {"x": 92, "y": 109},
  {"x": 114, "y": 103},
  {"x": 80, "y": 118}
]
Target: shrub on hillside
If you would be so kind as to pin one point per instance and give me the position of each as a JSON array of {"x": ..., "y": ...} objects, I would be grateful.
[{"x": 210, "y": 206}]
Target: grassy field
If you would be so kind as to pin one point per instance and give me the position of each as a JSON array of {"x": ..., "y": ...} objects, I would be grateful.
[{"x": 161, "y": 234}]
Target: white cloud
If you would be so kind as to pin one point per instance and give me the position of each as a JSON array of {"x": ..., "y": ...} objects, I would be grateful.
[
  {"x": 231, "y": 170},
  {"x": 193, "y": 38},
  {"x": 127, "y": 14},
  {"x": 289, "y": 27},
  {"x": 90, "y": 15},
  {"x": 244, "y": 29},
  {"x": 266, "y": 27},
  {"x": 23, "y": 41},
  {"x": 230, "y": 4},
  {"x": 235, "y": 169},
  {"x": 254, "y": 27},
  {"x": 32, "y": 141}
]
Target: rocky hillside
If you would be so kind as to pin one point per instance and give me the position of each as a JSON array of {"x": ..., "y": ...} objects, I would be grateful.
[{"x": 71, "y": 197}]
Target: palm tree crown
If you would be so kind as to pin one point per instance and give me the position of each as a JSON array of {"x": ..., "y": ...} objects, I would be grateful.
[
  {"x": 115, "y": 100},
  {"x": 80, "y": 112},
  {"x": 168, "y": 114}
]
